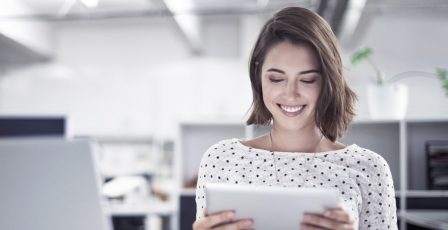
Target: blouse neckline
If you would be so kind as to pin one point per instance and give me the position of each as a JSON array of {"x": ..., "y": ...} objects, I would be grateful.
[{"x": 251, "y": 149}]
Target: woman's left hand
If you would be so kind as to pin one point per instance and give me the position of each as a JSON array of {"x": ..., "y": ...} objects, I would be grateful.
[{"x": 337, "y": 218}]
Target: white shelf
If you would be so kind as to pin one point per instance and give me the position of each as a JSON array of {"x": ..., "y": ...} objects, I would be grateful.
[
  {"x": 422, "y": 193},
  {"x": 214, "y": 121},
  {"x": 434, "y": 219},
  {"x": 406, "y": 120},
  {"x": 370, "y": 121},
  {"x": 426, "y": 193},
  {"x": 426, "y": 120},
  {"x": 119, "y": 139},
  {"x": 142, "y": 209}
]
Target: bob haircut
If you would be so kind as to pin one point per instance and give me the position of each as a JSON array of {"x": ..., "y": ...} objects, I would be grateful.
[{"x": 335, "y": 105}]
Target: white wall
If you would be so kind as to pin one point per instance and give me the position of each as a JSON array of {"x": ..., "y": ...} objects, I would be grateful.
[
  {"x": 138, "y": 77},
  {"x": 129, "y": 77}
]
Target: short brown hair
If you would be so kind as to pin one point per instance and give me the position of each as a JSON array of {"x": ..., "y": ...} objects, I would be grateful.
[{"x": 335, "y": 106}]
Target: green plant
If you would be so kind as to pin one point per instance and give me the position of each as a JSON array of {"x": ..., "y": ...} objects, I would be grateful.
[
  {"x": 442, "y": 74},
  {"x": 365, "y": 54}
]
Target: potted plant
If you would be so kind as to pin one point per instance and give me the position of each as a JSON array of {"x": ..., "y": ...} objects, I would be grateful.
[{"x": 388, "y": 99}]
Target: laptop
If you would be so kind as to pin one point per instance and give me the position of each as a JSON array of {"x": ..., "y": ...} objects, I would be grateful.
[{"x": 49, "y": 184}]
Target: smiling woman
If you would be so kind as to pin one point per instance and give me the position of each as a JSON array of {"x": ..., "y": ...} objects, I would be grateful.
[{"x": 299, "y": 89}]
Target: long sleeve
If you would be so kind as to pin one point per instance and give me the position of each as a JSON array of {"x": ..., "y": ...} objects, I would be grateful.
[
  {"x": 378, "y": 196},
  {"x": 200, "y": 191},
  {"x": 205, "y": 175}
]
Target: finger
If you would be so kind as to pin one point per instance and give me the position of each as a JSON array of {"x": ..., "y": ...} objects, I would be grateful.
[
  {"x": 217, "y": 219},
  {"x": 309, "y": 227},
  {"x": 320, "y": 221},
  {"x": 237, "y": 225},
  {"x": 338, "y": 214}
]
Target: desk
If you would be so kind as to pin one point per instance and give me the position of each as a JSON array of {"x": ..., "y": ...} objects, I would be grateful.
[{"x": 434, "y": 219}]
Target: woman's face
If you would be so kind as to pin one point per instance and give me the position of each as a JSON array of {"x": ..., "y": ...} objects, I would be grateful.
[{"x": 291, "y": 83}]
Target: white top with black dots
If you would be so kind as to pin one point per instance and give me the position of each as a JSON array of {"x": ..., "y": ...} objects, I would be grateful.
[{"x": 362, "y": 176}]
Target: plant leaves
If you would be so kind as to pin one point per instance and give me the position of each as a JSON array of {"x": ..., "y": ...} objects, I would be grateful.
[
  {"x": 442, "y": 74},
  {"x": 361, "y": 55}
]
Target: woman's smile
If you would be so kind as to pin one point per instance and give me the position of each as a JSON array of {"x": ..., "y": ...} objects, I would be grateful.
[{"x": 291, "y": 110}]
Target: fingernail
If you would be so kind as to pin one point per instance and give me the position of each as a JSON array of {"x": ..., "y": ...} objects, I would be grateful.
[
  {"x": 230, "y": 214},
  {"x": 247, "y": 223},
  {"x": 327, "y": 213},
  {"x": 306, "y": 217}
]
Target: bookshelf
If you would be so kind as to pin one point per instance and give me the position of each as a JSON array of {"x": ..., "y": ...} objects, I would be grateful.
[{"x": 400, "y": 142}]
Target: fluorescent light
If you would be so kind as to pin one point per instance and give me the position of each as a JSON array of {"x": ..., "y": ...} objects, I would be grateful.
[
  {"x": 182, "y": 6},
  {"x": 89, "y": 3}
]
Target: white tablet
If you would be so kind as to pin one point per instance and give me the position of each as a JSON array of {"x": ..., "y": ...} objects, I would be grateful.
[{"x": 270, "y": 207}]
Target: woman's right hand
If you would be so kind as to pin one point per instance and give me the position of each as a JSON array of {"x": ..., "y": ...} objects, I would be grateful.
[{"x": 221, "y": 221}]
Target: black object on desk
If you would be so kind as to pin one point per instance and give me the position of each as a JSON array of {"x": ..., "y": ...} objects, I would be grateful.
[{"x": 437, "y": 165}]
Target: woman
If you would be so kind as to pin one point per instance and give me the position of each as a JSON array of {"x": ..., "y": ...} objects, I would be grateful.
[{"x": 299, "y": 88}]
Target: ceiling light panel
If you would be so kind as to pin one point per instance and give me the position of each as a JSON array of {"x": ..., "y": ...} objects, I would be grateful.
[{"x": 53, "y": 6}]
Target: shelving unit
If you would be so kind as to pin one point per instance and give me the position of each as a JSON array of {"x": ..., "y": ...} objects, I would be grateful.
[
  {"x": 136, "y": 156},
  {"x": 400, "y": 142}
]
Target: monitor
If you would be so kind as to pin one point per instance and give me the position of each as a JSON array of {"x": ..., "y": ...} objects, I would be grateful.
[{"x": 13, "y": 126}]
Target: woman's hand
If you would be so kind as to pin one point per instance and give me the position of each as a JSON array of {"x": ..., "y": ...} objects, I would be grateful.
[
  {"x": 338, "y": 219},
  {"x": 221, "y": 221}
]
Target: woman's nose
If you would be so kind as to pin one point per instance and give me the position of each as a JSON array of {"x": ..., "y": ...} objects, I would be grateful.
[{"x": 292, "y": 90}]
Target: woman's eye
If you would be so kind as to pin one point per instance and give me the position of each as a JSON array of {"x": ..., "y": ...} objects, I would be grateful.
[
  {"x": 309, "y": 81},
  {"x": 273, "y": 80}
]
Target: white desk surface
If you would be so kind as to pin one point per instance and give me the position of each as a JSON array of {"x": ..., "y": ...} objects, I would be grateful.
[
  {"x": 435, "y": 219},
  {"x": 141, "y": 209}
]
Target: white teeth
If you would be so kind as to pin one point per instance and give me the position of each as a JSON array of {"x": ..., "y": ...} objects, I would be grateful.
[{"x": 291, "y": 109}]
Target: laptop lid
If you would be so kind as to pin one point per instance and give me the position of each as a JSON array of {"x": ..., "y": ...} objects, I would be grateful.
[{"x": 49, "y": 184}]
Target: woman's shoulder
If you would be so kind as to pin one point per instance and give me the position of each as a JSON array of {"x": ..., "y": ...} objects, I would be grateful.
[
  {"x": 223, "y": 145},
  {"x": 220, "y": 151},
  {"x": 373, "y": 168},
  {"x": 368, "y": 160},
  {"x": 367, "y": 154}
]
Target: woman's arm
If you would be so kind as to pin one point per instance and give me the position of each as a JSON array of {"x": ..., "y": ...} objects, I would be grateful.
[{"x": 378, "y": 209}]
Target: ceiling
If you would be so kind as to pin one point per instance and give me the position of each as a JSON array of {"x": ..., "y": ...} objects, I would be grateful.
[
  {"x": 53, "y": 7},
  {"x": 333, "y": 11},
  {"x": 347, "y": 17}
]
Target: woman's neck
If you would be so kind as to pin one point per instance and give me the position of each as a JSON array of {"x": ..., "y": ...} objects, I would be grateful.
[{"x": 308, "y": 139}]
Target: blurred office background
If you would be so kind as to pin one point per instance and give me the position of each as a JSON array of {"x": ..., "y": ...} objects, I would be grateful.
[{"x": 135, "y": 76}]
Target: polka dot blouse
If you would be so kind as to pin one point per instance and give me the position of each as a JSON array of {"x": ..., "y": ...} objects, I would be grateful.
[{"x": 362, "y": 177}]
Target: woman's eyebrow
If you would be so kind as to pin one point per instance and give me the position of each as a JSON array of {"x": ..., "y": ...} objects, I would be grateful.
[
  {"x": 300, "y": 73},
  {"x": 275, "y": 70},
  {"x": 309, "y": 71}
]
